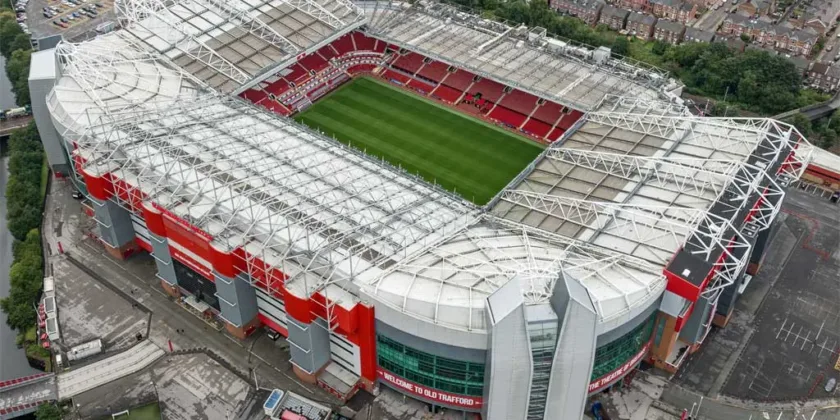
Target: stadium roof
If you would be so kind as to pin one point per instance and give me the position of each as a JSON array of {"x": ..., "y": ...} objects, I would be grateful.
[
  {"x": 338, "y": 221},
  {"x": 227, "y": 43},
  {"x": 641, "y": 180},
  {"x": 563, "y": 72}
]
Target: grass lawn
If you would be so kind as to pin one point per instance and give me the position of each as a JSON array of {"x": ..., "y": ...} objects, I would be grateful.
[
  {"x": 461, "y": 154},
  {"x": 146, "y": 412}
]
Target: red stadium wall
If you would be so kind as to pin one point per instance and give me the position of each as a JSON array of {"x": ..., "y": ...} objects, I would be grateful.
[{"x": 355, "y": 324}]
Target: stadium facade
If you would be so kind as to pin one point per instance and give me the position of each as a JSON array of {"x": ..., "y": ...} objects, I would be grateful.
[{"x": 623, "y": 242}]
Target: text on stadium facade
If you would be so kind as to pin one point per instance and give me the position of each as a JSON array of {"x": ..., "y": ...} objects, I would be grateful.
[{"x": 463, "y": 401}]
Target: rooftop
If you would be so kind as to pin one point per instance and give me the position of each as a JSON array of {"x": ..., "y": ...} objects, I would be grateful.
[
  {"x": 338, "y": 222},
  {"x": 226, "y": 43},
  {"x": 519, "y": 57}
]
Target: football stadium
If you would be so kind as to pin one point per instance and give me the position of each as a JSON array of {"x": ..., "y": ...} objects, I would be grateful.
[{"x": 476, "y": 215}]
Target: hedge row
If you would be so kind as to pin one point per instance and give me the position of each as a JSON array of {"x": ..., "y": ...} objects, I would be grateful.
[{"x": 24, "y": 205}]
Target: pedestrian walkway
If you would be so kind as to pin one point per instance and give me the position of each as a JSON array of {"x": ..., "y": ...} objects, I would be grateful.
[
  {"x": 20, "y": 397},
  {"x": 100, "y": 373}
]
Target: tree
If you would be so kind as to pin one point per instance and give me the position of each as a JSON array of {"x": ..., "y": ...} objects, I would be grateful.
[
  {"x": 17, "y": 68},
  {"x": 802, "y": 123},
  {"x": 620, "y": 46},
  {"x": 49, "y": 412},
  {"x": 746, "y": 38},
  {"x": 9, "y": 30},
  {"x": 659, "y": 47}
]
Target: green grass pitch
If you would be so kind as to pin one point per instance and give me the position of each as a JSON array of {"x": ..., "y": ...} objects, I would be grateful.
[{"x": 461, "y": 154}]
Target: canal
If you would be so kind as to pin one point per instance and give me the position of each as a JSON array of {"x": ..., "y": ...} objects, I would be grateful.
[{"x": 12, "y": 360}]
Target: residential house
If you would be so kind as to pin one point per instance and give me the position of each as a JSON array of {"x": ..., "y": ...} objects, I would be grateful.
[
  {"x": 668, "y": 31},
  {"x": 703, "y": 3},
  {"x": 819, "y": 15},
  {"x": 824, "y": 76},
  {"x": 801, "y": 64},
  {"x": 687, "y": 13},
  {"x": 677, "y": 10},
  {"x": 666, "y": 9},
  {"x": 755, "y": 29},
  {"x": 755, "y": 7},
  {"x": 733, "y": 42},
  {"x": 817, "y": 25},
  {"x": 586, "y": 10},
  {"x": 798, "y": 42},
  {"x": 641, "y": 26},
  {"x": 638, "y": 5},
  {"x": 698, "y": 35},
  {"x": 613, "y": 17}
]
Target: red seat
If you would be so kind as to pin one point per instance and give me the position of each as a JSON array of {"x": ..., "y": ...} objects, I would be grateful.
[
  {"x": 363, "y": 42},
  {"x": 360, "y": 68},
  {"x": 396, "y": 76},
  {"x": 569, "y": 119},
  {"x": 511, "y": 118},
  {"x": 488, "y": 89},
  {"x": 379, "y": 46},
  {"x": 556, "y": 133},
  {"x": 447, "y": 93},
  {"x": 254, "y": 96},
  {"x": 548, "y": 112},
  {"x": 520, "y": 102},
  {"x": 312, "y": 62},
  {"x": 327, "y": 52},
  {"x": 343, "y": 45},
  {"x": 536, "y": 127},
  {"x": 410, "y": 62},
  {"x": 295, "y": 72},
  {"x": 421, "y": 84},
  {"x": 459, "y": 80},
  {"x": 434, "y": 71}
]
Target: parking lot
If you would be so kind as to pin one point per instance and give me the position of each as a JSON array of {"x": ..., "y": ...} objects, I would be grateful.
[
  {"x": 782, "y": 343},
  {"x": 74, "y": 19}
]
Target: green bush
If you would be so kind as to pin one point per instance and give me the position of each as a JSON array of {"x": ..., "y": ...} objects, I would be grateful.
[
  {"x": 754, "y": 81},
  {"x": 49, "y": 412},
  {"x": 16, "y": 48},
  {"x": 23, "y": 190},
  {"x": 26, "y": 278}
]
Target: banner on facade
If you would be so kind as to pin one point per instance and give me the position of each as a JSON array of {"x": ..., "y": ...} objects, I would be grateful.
[
  {"x": 444, "y": 398},
  {"x": 607, "y": 379}
]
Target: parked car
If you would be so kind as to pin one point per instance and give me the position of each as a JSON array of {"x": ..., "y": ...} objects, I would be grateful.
[
  {"x": 830, "y": 385},
  {"x": 77, "y": 195}
]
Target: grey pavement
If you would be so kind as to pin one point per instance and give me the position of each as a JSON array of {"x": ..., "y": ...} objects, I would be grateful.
[
  {"x": 772, "y": 361},
  {"x": 84, "y": 378},
  {"x": 711, "y": 409},
  {"x": 88, "y": 310},
  {"x": 793, "y": 351},
  {"x": 121, "y": 285},
  {"x": 37, "y": 391},
  {"x": 188, "y": 386}
]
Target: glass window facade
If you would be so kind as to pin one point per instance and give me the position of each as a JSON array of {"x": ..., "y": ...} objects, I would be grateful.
[
  {"x": 611, "y": 356},
  {"x": 543, "y": 338},
  {"x": 457, "y": 377}
]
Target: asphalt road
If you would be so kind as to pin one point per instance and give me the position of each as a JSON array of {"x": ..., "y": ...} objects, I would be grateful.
[
  {"x": 12, "y": 360},
  {"x": 713, "y": 18}
]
